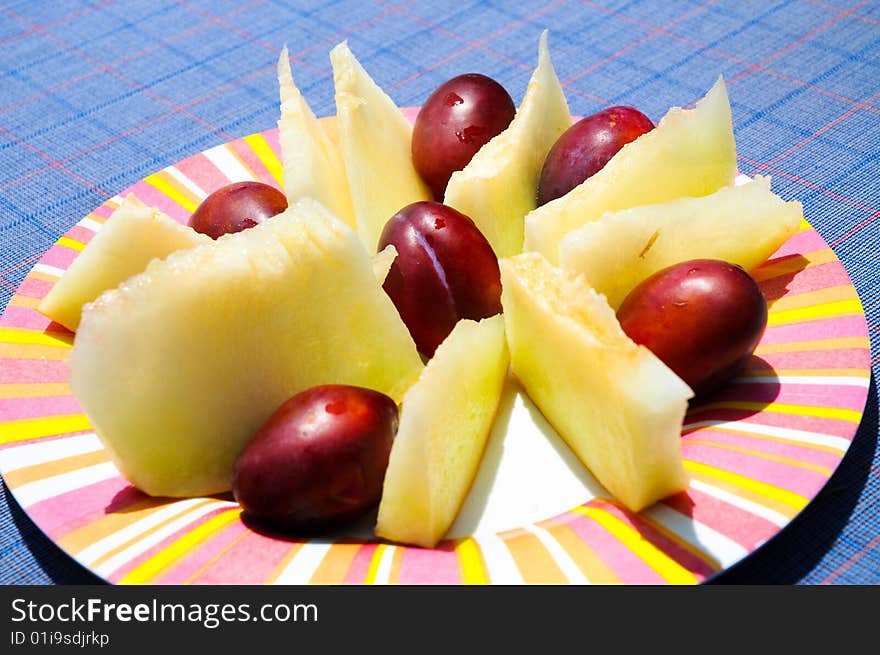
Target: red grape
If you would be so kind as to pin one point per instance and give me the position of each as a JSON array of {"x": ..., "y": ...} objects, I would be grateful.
[
  {"x": 585, "y": 147},
  {"x": 236, "y": 207},
  {"x": 320, "y": 459},
  {"x": 703, "y": 318},
  {"x": 445, "y": 270},
  {"x": 457, "y": 119}
]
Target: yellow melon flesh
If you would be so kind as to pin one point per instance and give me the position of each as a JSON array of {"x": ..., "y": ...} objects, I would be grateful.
[
  {"x": 445, "y": 422},
  {"x": 311, "y": 161},
  {"x": 499, "y": 185},
  {"x": 691, "y": 152},
  {"x": 375, "y": 140},
  {"x": 617, "y": 406},
  {"x": 178, "y": 366},
  {"x": 742, "y": 224},
  {"x": 131, "y": 238}
]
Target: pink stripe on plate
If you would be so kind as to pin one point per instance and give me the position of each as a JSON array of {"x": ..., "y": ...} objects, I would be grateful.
[
  {"x": 59, "y": 256},
  {"x": 66, "y": 512},
  {"x": 437, "y": 566},
  {"x": 801, "y": 243},
  {"x": 831, "y": 274},
  {"x": 272, "y": 138},
  {"x": 829, "y": 328},
  {"x": 787, "y": 449},
  {"x": 28, "y": 319},
  {"x": 360, "y": 565},
  {"x": 80, "y": 233},
  {"x": 203, "y": 173},
  {"x": 152, "y": 197},
  {"x": 253, "y": 162},
  {"x": 202, "y": 556},
  {"x": 844, "y": 397},
  {"x": 745, "y": 418},
  {"x": 38, "y": 407},
  {"x": 252, "y": 560},
  {"x": 843, "y": 358},
  {"x": 630, "y": 568},
  {"x": 747, "y": 529},
  {"x": 787, "y": 476},
  {"x": 34, "y": 288},
  {"x": 33, "y": 370}
]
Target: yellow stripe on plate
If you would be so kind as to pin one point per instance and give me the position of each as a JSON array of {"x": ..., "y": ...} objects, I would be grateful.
[
  {"x": 265, "y": 154},
  {"x": 666, "y": 567},
  {"x": 470, "y": 560},
  {"x": 839, "y": 343},
  {"x": 375, "y": 562},
  {"x": 48, "y": 426},
  {"x": 816, "y": 312},
  {"x": 837, "y": 413},
  {"x": 13, "y": 335},
  {"x": 783, "y": 496},
  {"x": 167, "y": 556},
  {"x": 808, "y": 299},
  {"x": 19, "y": 300},
  {"x": 165, "y": 185},
  {"x": 73, "y": 244}
]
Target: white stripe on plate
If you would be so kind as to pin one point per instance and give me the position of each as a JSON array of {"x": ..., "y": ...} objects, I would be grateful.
[
  {"x": 48, "y": 270},
  {"x": 39, "y": 453},
  {"x": 103, "y": 546},
  {"x": 304, "y": 563},
  {"x": 185, "y": 181},
  {"x": 228, "y": 164},
  {"x": 126, "y": 555},
  {"x": 824, "y": 380},
  {"x": 500, "y": 567},
  {"x": 34, "y": 492},
  {"x": 557, "y": 552},
  {"x": 702, "y": 537},
  {"x": 90, "y": 224},
  {"x": 743, "y": 503},
  {"x": 801, "y": 436},
  {"x": 383, "y": 570}
]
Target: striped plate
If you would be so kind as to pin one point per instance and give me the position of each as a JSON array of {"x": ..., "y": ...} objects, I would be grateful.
[{"x": 757, "y": 454}]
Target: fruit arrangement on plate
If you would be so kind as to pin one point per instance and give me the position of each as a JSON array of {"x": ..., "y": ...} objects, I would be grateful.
[{"x": 341, "y": 345}]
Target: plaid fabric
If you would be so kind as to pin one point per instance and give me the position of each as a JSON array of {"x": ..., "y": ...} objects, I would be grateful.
[{"x": 96, "y": 95}]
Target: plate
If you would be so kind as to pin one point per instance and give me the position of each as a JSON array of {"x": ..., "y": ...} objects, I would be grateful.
[{"x": 758, "y": 452}]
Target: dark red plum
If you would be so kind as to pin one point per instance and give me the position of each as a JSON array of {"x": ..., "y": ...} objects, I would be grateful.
[
  {"x": 236, "y": 207},
  {"x": 584, "y": 149},
  {"x": 457, "y": 119},
  {"x": 319, "y": 460},
  {"x": 703, "y": 318},
  {"x": 445, "y": 270}
]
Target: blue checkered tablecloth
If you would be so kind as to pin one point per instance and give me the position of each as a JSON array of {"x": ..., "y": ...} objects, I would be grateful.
[{"x": 96, "y": 95}]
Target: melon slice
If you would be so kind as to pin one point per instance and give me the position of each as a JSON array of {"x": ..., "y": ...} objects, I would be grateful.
[
  {"x": 691, "y": 152},
  {"x": 178, "y": 366},
  {"x": 617, "y": 406},
  {"x": 742, "y": 224},
  {"x": 499, "y": 185},
  {"x": 375, "y": 139},
  {"x": 445, "y": 422},
  {"x": 311, "y": 161},
  {"x": 382, "y": 262},
  {"x": 131, "y": 238}
]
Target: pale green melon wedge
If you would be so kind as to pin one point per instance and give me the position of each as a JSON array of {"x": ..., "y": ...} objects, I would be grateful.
[
  {"x": 499, "y": 185},
  {"x": 445, "y": 422},
  {"x": 617, "y": 406},
  {"x": 311, "y": 161},
  {"x": 131, "y": 238},
  {"x": 691, "y": 152},
  {"x": 375, "y": 139},
  {"x": 742, "y": 224},
  {"x": 178, "y": 366}
]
